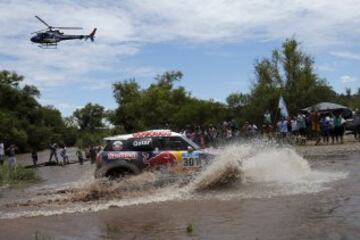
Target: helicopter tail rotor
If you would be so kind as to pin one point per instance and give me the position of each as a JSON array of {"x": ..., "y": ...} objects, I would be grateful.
[{"x": 91, "y": 35}]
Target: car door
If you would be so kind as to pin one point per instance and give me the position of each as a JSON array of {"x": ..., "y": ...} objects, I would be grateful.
[{"x": 179, "y": 154}]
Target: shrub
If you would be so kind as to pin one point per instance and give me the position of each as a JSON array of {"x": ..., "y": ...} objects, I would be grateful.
[{"x": 20, "y": 176}]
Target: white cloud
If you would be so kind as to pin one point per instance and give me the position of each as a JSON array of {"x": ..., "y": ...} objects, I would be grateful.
[
  {"x": 96, "y": 85},
  {"x": 327, "y": 67},
  {"x": 348, "y": 79},
  {"x": 346, "y": 55},
  {"x": 125, "y": 26}
]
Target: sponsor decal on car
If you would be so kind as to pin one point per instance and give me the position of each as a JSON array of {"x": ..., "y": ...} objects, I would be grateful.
[
  {"x": 142, "y": 142},
  {"x": 160, "y": 133},
  {"x": 164, "y": 158},
  {"x": 122, "y": 155}
]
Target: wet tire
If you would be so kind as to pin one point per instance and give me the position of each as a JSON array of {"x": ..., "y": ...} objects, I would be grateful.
[{"x": 117, "y": 169}]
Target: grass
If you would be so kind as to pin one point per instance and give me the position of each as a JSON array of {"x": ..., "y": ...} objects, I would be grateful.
[
  {"x": 21, "y": 176},
  {"x": 189, "y": 228}
]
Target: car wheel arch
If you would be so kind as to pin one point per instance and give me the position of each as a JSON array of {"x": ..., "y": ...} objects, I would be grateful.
[{"x": 117, "y": 167}]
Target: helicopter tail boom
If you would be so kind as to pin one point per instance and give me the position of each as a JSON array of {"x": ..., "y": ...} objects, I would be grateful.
[{"x": 92, "y": 35}]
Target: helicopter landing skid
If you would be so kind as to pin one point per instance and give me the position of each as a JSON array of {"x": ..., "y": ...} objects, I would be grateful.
[{"x": 48, "y": 46}]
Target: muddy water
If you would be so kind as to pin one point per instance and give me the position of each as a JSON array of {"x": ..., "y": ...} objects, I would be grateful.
[{"x": 269, "y": 193}]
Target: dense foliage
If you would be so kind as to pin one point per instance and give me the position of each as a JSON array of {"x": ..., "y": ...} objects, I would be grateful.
[
  {"x": 90, "y": 123},
  {"x": 161, "y": 105},
  {"x": 289, "y": 72},
  {"x": 23, "y": 121}
]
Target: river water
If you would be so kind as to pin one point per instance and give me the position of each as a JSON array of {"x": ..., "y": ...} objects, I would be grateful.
[{"x": 251, "y": 191}]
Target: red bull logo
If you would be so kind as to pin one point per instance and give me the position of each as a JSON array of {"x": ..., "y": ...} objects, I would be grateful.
[{"x": 122, "y": 155}]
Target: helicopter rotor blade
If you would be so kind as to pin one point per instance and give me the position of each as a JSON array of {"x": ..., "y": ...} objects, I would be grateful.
[
  {"x": 40, "y": 31},
  {"x": 69, "y": 28},
  {"x": 43, "y": 21}
]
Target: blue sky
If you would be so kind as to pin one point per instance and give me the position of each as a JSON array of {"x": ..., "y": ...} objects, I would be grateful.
[{"x": 214, "y": 43}]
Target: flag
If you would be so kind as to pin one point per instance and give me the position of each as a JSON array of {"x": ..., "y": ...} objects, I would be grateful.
[{"x": 282, "y": 106}]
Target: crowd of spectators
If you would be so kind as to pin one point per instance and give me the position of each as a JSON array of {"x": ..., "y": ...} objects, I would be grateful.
[{"x": 326, "y": 128}]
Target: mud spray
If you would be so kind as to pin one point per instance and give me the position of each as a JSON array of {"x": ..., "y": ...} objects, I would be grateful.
[{"x": 240, "y": 171}]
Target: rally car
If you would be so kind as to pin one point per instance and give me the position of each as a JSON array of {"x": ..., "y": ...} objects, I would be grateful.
[{"x": 152, "y": 150}]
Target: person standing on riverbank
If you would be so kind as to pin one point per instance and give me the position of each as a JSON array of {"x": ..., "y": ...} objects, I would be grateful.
[
  {"x": 339, "y": 128},
  {"x": 2, "y": 154},
  {"x": 11, "y": 159},
  {"x": 34, "y": 157},
  {"x": 64, "y": 155},
  {"x": 79, "y": 154},
  {"x": 53, "y": 152},
  {"x": 315, "y": 125},
  {"x": 324, "y": 129}
]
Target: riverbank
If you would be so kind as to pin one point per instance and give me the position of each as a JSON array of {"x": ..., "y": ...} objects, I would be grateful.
[{"x": 349, "y": 146}]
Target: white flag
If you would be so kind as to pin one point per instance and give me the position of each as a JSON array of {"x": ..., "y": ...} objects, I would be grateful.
[{"x": 282, "y": 106}]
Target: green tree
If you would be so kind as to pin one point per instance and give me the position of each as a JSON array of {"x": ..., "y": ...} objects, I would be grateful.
[
  {"x": 290, "y": 73},
  {"x": 23, "y": 121},
  {"x": 160, "y": 104},
  {"x": 89, "y": 118}
]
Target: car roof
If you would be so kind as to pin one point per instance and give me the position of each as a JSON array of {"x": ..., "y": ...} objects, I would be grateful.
[{"x": 150, "y": 133}]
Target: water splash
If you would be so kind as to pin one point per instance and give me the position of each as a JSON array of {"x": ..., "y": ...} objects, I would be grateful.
[{"x": 254, "y": 171}]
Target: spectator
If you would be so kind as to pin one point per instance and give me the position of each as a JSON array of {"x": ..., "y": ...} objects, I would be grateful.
[
  {"x": 212, "y": 135},
  {"x": 252, "y": 130},
  {"x": 34, "y": 157},
  {"x": 301, "y": 124},
  {"x": 228, "y": 133},
  {"x": 64, "y": 155},
  {"x": 11, "y": 159},
  {"x": 236, "y": 133},
  {"x": 289, "y": 124},
  {"x": 294, "y": 127},
  {"x": 315, "y": 126},
  {"x": 199, "y": 137},
  {"x": 267, "y": 130},
  {"x": 79, "y": 155},
  {"x": 245, "y": 129},
  {"x": 189, "y": 133},
  {"x": 283, "y": 128},
  {"x": 339, "y": 128},
  {"x": 332, "y": 128},
  {"x": 324, "y": 129},
  {"x": 2, "y": 154},
  {"x": 99, "y": 149},
  {"x": 53, "y": 152},
  {"x": 267, "y": 118}
]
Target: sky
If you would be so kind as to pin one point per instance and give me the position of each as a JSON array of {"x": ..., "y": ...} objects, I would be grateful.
[{"x": 215, "y": 43}]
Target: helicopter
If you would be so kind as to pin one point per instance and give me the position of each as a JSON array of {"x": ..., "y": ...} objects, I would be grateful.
[{"x": 50, "y": 36}]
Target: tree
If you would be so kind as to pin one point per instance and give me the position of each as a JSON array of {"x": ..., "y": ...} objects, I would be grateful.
[
  {"x": 290, "y": 73},
  {"x": 23, "y": 121},
  {"x": 161, "y": 104},
  {"x": 89, "y": 118},
  {"x": 10, "y": 78},
  {"x": 169, "y": 78}
]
